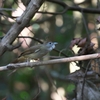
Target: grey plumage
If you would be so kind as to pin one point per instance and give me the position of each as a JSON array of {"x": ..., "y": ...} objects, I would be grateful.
[{"x": 36, "y": 51}]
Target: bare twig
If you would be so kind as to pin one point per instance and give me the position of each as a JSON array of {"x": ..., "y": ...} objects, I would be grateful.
[
  {"x": 33, "y": 38},
  {"x": 65, "y": 7},
  {"x": 72, "y": 8},
  {"x": 6, "y": 9},
  {"x": 56, "y": 61}
]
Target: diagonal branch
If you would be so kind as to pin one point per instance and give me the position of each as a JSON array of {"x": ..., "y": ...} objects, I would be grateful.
[{"x": 56, "y": 61}]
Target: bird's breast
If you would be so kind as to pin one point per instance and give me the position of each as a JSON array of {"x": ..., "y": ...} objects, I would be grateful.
[{"x": 36, "y": 55}]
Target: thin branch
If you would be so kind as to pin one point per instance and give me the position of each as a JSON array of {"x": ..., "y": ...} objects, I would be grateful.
[
  {"x": 56, "y": 61},
  {"x": 65, "y": 7},
  {"x": 72, "y": 8},
  {"x": 6, "y": 9},
  {"x": 85, "y": 10},
  {"x": 33, "y": 38}
]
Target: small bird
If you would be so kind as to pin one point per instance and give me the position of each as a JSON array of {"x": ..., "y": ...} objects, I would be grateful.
[{"x": 36, "y": 52}]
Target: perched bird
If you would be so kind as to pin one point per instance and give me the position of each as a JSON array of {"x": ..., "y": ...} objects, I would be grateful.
[{"x": 36, "y": 52}]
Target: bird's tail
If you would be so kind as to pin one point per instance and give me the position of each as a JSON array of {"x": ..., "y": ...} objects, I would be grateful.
[{"x": 19, "y": 60}]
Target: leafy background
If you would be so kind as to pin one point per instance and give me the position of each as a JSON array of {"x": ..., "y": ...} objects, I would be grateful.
[{"x": 28, "y": 83}]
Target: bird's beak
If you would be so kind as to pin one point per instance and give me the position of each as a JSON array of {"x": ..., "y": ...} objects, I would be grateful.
[{"x": 55, "y": 43}]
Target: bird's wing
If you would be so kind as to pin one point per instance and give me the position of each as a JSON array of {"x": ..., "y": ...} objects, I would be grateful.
[{"x": 30, "y": 50}]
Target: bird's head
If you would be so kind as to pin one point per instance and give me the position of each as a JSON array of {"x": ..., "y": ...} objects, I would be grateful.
[{"x": 51, "y": 45}]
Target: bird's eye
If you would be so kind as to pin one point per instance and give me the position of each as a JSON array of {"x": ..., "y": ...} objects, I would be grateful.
[{"x": 49, "y": 42}]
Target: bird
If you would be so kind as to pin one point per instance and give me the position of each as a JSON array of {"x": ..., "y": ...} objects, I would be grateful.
[{"x": 36, "y": 52}]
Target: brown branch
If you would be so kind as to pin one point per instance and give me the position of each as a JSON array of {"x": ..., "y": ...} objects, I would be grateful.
[
  {"x": 56, "y": 61},
  {"x": 72, "y": 8},
  {"x": 33, "y": 38},
  {"x": 65, "y": 7},
  {"x": 85, "y": 10},
  {"x": 6, "y": 9}
]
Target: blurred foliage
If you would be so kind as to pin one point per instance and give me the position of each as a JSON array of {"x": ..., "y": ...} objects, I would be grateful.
[{"x": 22, "y": 84}]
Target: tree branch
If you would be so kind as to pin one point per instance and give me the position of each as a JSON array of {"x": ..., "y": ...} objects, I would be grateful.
[
  {"x": 56, "y": 61},
  {"x": 70, "y": 8}
]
